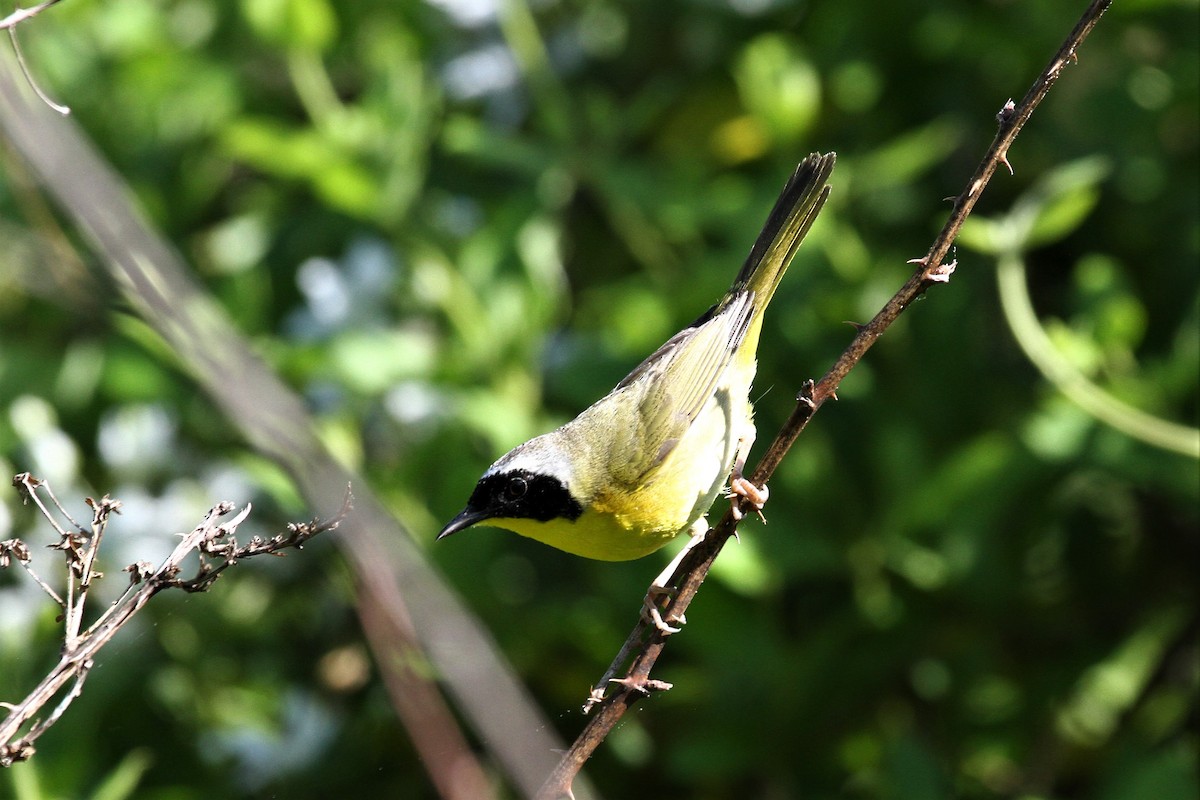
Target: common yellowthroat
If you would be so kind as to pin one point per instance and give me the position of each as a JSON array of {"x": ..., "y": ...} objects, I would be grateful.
[{"x": 645, "y": 462}]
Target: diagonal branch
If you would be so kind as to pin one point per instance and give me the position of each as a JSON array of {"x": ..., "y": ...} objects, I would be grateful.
[{"x": 646, "y": 641}]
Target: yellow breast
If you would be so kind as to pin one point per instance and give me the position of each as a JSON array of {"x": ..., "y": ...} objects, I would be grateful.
[{"x": 626, "y": 522}]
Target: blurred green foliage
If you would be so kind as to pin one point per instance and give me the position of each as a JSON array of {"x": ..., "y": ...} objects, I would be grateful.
[{"x": 453, "y": 224}]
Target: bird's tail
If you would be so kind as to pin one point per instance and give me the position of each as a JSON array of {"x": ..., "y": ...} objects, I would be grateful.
[{"x": 797, "y": 207}]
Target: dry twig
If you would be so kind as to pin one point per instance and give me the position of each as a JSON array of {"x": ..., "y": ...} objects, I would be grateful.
[
  {"x": 645, "y": 643},
  {"x": 21, "y": 14},
  {"x": 214, "y": 542},
  {"x": 396, "y": 581},
  {"x": 10, "y": 24}
]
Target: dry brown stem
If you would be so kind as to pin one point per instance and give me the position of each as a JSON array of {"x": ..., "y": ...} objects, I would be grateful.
[{"x": 212, "y": 540}]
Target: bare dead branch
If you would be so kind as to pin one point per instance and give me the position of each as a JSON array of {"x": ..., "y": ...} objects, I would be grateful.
[
  {"x": 212, "y": 539},
  {"x": 15, "y": 548},
  {"x": 646, "y": 642},
  {"x": 156, "y": 283}
]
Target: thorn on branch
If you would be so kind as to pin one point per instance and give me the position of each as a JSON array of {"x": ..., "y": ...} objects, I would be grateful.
[
  {"x": 1002, "y": 157},
  {"x": 643, "y": 686}
]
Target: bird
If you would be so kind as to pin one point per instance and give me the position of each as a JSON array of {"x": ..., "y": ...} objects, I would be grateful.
[{"x": 647, "y": 461}]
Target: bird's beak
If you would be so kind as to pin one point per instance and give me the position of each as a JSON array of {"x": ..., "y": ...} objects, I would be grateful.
[{"x": 465, "y": 519}]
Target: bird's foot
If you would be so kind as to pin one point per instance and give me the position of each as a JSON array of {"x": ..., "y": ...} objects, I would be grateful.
[
  {"x": 652, "y": 613},
  {"x": 661, "y": 587},
  {"x": 744, "y": 493}
]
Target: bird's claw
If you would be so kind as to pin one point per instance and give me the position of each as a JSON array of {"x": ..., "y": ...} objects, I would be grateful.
[
  {"x": 652, "y": 614},
  {"x": 754, "y": 496}
]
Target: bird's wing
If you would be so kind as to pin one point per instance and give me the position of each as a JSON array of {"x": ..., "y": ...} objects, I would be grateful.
[{"x": 673, "y": 384}]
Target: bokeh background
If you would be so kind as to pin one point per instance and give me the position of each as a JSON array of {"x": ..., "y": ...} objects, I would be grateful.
[{"x": 453, "y": 224}]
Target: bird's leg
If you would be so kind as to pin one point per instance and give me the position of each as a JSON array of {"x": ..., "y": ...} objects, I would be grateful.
[
  {"x": 661, "y": 586},
  {"x": 741, "y": 487}
]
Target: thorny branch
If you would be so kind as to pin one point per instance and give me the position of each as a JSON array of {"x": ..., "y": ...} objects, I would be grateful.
[
  {"x": 646, "y": 642},
  {"x": 212, "y": 540}
]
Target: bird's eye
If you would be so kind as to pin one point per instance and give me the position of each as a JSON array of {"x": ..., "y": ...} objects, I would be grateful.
[{"x": 515, "y": 489}]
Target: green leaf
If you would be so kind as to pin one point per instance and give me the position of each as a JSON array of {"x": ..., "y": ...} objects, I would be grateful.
[
  {"x": 308, "y": 155},
  {"x": 1062, "y": 215},
  {"x": 981, "y": 234},
  {"x": 911, "y": 154},
  {"x": 123, "y": 780},
  {"x": 304, "y": 24},
  {"x": 779, "y": 85},
  {"x": 371, "y": 361},
  {"x": 1059, "y": 202}
]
